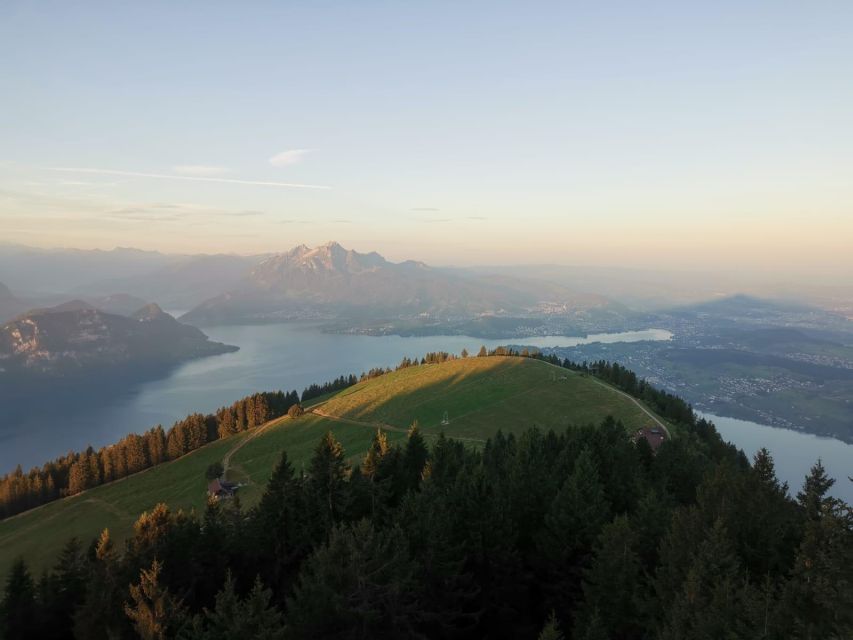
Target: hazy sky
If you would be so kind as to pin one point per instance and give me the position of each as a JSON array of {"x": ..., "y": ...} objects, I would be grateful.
[{"x": 645, "y": 133}]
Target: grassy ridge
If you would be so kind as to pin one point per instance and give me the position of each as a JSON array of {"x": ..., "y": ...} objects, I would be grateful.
[{"x": 481, "y": 396}]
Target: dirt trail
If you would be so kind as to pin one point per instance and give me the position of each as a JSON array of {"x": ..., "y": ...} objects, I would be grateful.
[
  {"x": 226, "y": 459},
  {"x": 621, "y": 393},
  {"x": 381, "y": 425}
]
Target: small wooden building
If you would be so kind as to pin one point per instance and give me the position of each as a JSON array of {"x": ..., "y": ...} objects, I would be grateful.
[
  {"x": 221, "y": 489},
  {"x": 653, "y": 435}
]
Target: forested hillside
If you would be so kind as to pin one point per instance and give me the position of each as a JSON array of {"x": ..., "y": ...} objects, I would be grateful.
[{"x": 576, "y": 533}]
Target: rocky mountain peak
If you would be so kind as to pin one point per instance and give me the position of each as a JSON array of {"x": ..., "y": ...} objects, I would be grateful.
[{"x": 149, "y": 312}]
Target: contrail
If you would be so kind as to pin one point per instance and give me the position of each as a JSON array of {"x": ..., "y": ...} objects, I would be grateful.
[{"x": 163, "y": 176}]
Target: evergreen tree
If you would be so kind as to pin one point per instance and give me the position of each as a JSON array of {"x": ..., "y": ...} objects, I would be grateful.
[
  {"x": 68, "y": 584},
  {"x": 18, "y": 608},
  {"x": 551, "y": 630},
  {"x": 818, "y": 599},
  {"x": 377, "y": 450},
  {"x": 155, "y": 614},
  {"x": 714, "y": 601},
  {"x": 327, "y": 483},
  {"x": 813, "y": 495},
  {"x": 415, "y": 457},
  {"x": 101, "y": 614},
  {"x": 577, "y": 513},
  {"x": 358, "y": 585},
  {"x": 612, "y": 582},
  {"x": 234, "y": 618},
  {"x": 281, "y": 529}
]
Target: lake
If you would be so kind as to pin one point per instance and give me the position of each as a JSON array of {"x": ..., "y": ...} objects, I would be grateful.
[
  {"x": 793, "y": 452},
  {"x": 292, "y": 356}
]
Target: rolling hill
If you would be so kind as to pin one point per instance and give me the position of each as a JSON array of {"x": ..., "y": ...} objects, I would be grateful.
[{"x": 479, "y": 395}]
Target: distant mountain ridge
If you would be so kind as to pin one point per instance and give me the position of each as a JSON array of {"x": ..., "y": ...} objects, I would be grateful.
[
  {"x": 10, "y": 304},
  {"x": 76, "y": 336},
  {"x": 331, "y": 281}
]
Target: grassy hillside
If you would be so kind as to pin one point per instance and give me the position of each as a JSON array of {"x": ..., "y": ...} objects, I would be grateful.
[{"x": 480, "y": 396}]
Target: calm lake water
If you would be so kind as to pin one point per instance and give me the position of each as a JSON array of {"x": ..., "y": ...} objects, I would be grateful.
[
  {"x": 291, "y": 356},
  {"x": 793, "y": 452}
]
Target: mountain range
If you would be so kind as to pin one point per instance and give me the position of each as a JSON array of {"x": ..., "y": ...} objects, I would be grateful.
[{"x": 330, "y": 281}]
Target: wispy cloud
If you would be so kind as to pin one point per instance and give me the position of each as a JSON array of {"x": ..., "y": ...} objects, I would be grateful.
[
  {"x": 173, "y": 212},
  {"x": 200, "y": 170},
  {"x": 289, "y": 157},
  {"x": 477, "y": 218},
  {"x": 162, "y": 176},
  {"x": 424, "y": 209}
]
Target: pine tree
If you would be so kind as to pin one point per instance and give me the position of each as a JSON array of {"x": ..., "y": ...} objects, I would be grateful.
[
  {"x": 612, "y": 582},
  {"x": 70, "y": 576},
  {"x": 818, "y": 599},
  {"x": 577, "y": 513},
  {"x": 155, "y": 614},
  {"x": 813, "y": 496},
  {"x": 415, "y": 457},
  {"x": 377, "y": 450},
  {"x": 280, "y": 526},
  {"x": 714, "y": 600},
  {"x": 234, "y": 618},
  {"x": 18, "y": 608},
  {"x": 482, "y": 353},
  {"x": 765, "y": 468},
  {"x": 551, "y": 630},
  {"x": 327, "y": 483},
  {"x": 358, "y": 585},
  {"x": 101, "y": 615}
]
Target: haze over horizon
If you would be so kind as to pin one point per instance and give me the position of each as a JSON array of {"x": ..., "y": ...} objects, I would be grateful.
[{"x": 618, "y": 136}]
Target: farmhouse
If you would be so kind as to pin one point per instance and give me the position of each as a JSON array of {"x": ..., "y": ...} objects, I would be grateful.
[
  {"x": 221, "y": 489},
  {"x": 653, "y": 435}
]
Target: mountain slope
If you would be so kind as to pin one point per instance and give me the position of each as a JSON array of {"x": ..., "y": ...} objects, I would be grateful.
[
  {"x": 332, "y": 282},
  {"x": 75, "y": 336},
  {"x": 10, "y": 304},
  {"x": 481, "y": 396},
  {"x": 60, "y": 270},
  {"x": 185, "y": 282}
]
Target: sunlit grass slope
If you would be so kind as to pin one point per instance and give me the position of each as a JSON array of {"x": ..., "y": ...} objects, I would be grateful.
[
  {"x": 38, "y": 535},
  {"x": 480, "y": 396}
]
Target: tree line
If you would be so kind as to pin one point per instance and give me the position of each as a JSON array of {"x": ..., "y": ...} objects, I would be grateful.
[
  {"x": 338, "y": 384},
  {"x": 580, "y": 534},
  {"x": 77, "y": 471}
]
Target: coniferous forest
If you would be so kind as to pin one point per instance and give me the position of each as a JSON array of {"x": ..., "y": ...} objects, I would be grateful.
[{"x": 577, "y": 534}]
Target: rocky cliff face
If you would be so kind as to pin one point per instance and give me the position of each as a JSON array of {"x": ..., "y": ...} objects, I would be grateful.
[{"x": 75, "y": 337}]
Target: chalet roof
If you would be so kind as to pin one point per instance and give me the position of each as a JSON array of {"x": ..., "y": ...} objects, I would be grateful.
[{"x": 653, "y": 435}]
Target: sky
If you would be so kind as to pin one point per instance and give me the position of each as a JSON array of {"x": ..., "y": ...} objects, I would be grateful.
[{"x": 654, "y": 134}]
